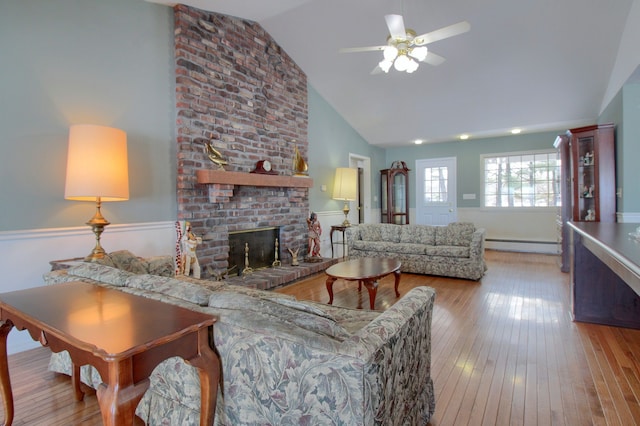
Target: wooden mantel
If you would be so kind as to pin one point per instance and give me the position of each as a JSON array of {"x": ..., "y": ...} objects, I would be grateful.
[{"x": 252, "y": 179}]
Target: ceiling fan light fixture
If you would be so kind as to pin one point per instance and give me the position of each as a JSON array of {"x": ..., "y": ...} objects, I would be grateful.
[
  {"x": 401, "y": 63},
  {"x": 390, "y": 53},
  {"x": 413, "y": 65},
  {"x": 419, "y": 53},
  {"x": 385, "y": 65}
]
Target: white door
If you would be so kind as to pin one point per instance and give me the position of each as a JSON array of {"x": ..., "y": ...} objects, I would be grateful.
[{"x": 436, "y": 191}]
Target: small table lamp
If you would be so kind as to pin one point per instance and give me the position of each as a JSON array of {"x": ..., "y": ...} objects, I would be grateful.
[
  {"x": 345, "y": 188},
  {"x": 97, "y": 170}
]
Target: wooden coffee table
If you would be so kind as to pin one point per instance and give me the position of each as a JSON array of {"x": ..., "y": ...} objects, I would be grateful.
[
  {"x": 123, "y": 336},
  {"x": 366, "y": 271}
]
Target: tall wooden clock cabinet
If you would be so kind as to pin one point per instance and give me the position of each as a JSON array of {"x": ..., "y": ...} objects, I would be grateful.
[{"x": 394, "y": 194}]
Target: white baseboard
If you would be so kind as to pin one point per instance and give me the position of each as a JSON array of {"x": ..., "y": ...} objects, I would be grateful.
[{"x": 631, "y": 217}]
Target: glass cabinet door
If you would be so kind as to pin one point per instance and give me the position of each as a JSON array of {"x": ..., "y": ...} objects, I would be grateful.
[
  {"x": 383, "y": 197},
  {"x": 587, "y": 188},
  {"x": 399, "y": 200}
]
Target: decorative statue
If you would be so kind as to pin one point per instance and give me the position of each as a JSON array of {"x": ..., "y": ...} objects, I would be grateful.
[
  {"x": 315, "y": 230},
  {"x": 300, "y": 167},
  {"x": 591, "y": 215},
  {"x": 189, "y": 258},
  {"x": 215, "y": 156},
  {"x": 179, "y": 268},
  {"x": 294, "y": 256}
]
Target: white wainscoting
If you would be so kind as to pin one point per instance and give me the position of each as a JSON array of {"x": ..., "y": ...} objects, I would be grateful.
[
  {"x": 25, "y": 255},
  {"x": 327, "y": 220},
  {"x": 526, "y": 230}
]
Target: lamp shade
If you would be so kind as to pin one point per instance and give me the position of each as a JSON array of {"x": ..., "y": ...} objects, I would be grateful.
[
  {"x": 345, "y": 184},
  {"x": 97, "y": 164}
]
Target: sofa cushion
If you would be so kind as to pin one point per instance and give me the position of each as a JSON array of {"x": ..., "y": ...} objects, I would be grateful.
[
  {"x": 369, "y": 232},
  {"x": 102, "y": 273},
  {"x": 390, "y": 232},
  {"x": 377, "y": 246},
  {"x": 189, "y": 292},
  {"x": 161, "y": 265},
  {"x": 380, "y": 232},
  {"x": 294, "y": 312},
  {"x": 455, "y": 234},
  {"x": 125, "y": 260},
  {"x": 448, "y": 251},
  {"x": 408, "y": 248},
  {"x": 418, "y": 234}
]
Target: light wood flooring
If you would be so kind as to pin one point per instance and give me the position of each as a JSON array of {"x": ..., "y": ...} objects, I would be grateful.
[{"x": 505, "y": 352}]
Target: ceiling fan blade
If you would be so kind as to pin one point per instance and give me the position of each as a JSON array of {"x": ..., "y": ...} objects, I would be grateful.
[
  {"x": 395, "y": 23},
  {"x": 376, "y": 70},
  {"x": 360, "y": 49},
  {"x": 442, "y": 33},
  {"x": 433, "y": 59}
]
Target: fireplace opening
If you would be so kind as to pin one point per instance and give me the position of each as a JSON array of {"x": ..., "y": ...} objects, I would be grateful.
[{"x": 257, "y": 246}]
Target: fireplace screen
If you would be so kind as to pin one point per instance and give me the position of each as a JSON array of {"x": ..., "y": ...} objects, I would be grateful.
[{"x": 255, "y": 246}]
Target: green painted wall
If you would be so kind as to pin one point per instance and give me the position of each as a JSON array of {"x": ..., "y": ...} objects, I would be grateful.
[
  {"x": 614, "y": 113},
  {"x": 467, "y": 154},
  {"x": 110, "y": 62},
  {"x": 624, "y": 112},
  {"x": 331, "y": 140},
  {"x": 630, "y": 153},
  {"x": 93, "y": 61}
]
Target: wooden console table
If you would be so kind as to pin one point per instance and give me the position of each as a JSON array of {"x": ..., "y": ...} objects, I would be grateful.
[
  {"x": 605, "y": 273},
  {"x": 123, "y": 336}
]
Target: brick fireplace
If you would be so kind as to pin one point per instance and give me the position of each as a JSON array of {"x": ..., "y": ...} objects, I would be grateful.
[{"x": 237, "y": 89}]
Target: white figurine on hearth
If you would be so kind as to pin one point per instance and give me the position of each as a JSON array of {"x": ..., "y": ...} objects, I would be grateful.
[{"x": 189, "y": 258}]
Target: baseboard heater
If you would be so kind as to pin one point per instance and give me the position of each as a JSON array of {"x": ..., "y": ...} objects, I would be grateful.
[
  {"x": 498, "y": 240},
  {"x": 524, "y": 246}
]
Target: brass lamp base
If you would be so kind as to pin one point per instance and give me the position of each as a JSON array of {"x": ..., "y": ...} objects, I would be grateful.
[
  {"x": 346, "y": 210},
  {"x": 97, "y": 224}
]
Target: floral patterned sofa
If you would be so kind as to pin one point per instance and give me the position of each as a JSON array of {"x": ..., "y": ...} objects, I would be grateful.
[
  {"x": 284, "y": 361},
  {"x": 455, "y": 250}
]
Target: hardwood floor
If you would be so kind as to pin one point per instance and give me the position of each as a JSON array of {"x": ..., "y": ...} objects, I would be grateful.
[{"x": 505, "y": 352}]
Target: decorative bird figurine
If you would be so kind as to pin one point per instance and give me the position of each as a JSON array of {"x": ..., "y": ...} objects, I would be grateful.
[
  {"x": 300, "y": 167},
  {"x": 214, "y": 155}
]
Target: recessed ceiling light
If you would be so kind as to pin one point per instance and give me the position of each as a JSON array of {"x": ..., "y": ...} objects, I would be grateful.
[
  {"x": 464, "y": 137},
  {"x": 418, "y": 141},
  {"x": 516, "y": 131}
]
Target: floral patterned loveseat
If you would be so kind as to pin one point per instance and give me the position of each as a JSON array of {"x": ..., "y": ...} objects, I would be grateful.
[
  {"x": 284, "y": 361},
  {"x": 455, "y": 250}
]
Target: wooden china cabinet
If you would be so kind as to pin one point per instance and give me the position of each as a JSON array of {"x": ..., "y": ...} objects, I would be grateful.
[
  {"x": 593, "y": 168},
  {"x": 588, "y": 176},
  {"x": 394, "y": 194}
]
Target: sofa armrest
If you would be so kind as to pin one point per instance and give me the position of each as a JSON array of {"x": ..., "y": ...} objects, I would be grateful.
[
  {"x": 476, "y": 249},
  {"x": 352, "y": 234},
  {"x": 396, "y": 352}
]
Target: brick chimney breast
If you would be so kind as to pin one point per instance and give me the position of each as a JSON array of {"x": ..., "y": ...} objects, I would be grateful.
[{"x": 238, "y": 89}]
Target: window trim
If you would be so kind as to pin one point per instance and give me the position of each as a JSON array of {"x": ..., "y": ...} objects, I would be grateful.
[{"x": 484, "y": 156}]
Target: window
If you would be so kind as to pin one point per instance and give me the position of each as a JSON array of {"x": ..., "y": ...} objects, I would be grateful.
[
  {"x": 526, "y": 179},
  {"x": 436, "y": 180}
]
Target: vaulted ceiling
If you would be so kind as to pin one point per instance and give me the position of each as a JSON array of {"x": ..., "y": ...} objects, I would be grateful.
[{"x": 535, "y": 65}]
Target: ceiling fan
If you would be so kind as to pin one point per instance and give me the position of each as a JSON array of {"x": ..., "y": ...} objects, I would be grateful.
[{"x": 404, "y": 49}]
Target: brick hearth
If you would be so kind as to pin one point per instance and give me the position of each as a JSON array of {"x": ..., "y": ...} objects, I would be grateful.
[{"x": 268, "y": 278}]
